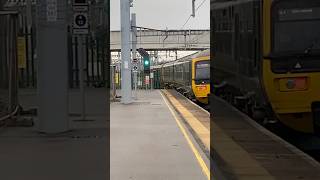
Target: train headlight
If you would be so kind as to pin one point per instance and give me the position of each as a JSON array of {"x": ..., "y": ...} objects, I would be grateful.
[
  {"x": 293, "y": 84},
  {"x": 201, "y": 88}
]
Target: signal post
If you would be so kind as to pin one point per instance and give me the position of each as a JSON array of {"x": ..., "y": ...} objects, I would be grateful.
[
  {"x": 146, "y": 65},
  {"x": 146, "y": 69},
  {"x": 135, "y": 68}
]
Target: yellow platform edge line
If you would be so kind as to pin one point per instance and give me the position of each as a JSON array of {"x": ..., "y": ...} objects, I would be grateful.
[
  {"x": 202, "y": 132},
  {"x": 201, "y": 162}
]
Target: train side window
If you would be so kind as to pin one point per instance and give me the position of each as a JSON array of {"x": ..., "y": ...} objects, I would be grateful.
[
  {"x": 224, "y": 12},
  {"x": 255, "y": 52},
  {"x": 256, "y": 30}
]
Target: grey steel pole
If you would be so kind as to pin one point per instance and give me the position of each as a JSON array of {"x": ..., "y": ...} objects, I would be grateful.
[
  {"x": 193, "y": 14},
  {"x": 134, "y": 49},
  {"x": 52, "y": 66},
  {"x": 29, "y": 26},
  {"x": 82, "y": 55},
  {"x": 113, "y": 83},
  {"x": 29, "y": 13},
  {"x": 151, "y": 64},
  {"x": 126, "y": 89}
]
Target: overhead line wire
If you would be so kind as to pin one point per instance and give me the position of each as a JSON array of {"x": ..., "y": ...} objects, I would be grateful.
[{"x": 195, "y": 11}]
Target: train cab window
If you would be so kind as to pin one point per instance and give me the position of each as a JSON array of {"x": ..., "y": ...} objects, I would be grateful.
[
  {"x": 202, "y": 72},
  {"x": 224, "y": 12},
  {"x": 296, "y": 26}
]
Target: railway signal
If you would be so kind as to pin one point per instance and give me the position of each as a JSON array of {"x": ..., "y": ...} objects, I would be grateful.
[
  {"x": 146, "y": 60},
  {"x": 146, "y": 64}
]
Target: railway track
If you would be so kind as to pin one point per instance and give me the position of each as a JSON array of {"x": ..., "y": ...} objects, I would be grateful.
[{"x": 308, "y": 143}]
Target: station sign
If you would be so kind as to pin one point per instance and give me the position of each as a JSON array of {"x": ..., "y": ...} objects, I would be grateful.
[
  {"x": 80, "y": 23},
  {"x": 80, "y": 17},
  {"x": 147, "y": 80},
  {"x": 80, "y": 2},
  {"x": 80, "y": 8},
  {"x": 134, "y": 61},
  {"x": 52, "y": 10},
  {"x": 135, "y": 68}
]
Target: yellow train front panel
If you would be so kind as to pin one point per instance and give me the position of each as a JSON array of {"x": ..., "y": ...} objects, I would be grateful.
[
  {"x": 291, "y": 93},
  {"x": 201, "y": 78}
]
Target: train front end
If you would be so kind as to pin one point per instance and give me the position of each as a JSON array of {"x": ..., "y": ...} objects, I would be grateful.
[
  {"x": 291, "y": 63},
  {"x": 201, "y": 78}
]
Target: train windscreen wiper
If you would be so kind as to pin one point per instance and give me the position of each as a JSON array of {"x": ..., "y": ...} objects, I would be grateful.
[
  {"x": 201, "y": 79},
  {"x": 310, "y": 48}
]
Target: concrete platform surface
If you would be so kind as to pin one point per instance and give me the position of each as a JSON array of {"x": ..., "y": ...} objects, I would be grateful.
[
  {"x": 146, "y": 142},
  {"x": 245, "y": 150},
  {"x": 80, "y": 154}
]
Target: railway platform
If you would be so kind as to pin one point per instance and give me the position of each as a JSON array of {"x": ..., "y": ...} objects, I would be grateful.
[
  {"x": 243, "y": 149},
  {"x": 161, "y": 135},
  {"x": 79, "y": 154},
  {"x": 150, "y": 140}
]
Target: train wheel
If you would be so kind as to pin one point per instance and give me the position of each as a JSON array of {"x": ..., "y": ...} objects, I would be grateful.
[
  {"x": 249, "y": 109},
  {"x": 230, "y": 98},
  {"x": 258, "y": 114}
]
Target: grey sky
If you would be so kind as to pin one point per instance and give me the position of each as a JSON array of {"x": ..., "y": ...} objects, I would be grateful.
[{"x": 159, "y": 14}]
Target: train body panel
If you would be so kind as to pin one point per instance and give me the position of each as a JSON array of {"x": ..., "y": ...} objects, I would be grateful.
[
  {"x": 236, "y": 65},
  {"x": 293, "y": 106},
  {"x": 266, "y": 54}
]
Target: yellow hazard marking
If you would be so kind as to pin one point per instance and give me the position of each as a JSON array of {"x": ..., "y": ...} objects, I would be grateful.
[
  {"x": 230, "y": 151},
  {"x": 201, "y": 162},
  {"x": 22, "y": 59},
  {"x": 202, "y": 132},
  {"x": 116, "y": 77}
]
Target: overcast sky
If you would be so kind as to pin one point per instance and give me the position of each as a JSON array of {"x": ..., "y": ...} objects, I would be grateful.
[{"x": 162, "y": 14}]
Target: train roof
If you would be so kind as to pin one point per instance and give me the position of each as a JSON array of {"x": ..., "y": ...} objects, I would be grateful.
[
  {"x": 226, "y": 3},
  {"x": 194, "y": 55},
  {"x": 184, "y": 59},
  {"x": 203, "y": 53}
]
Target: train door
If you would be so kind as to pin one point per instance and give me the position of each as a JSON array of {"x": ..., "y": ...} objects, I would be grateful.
[
  {"x": 257, "y": 38},
  {"x": 236, "y": 52},
  {"x": 190, "y": 73},
  {"x": 212, "y": 49},
  {"x": 8, "y": 63}
]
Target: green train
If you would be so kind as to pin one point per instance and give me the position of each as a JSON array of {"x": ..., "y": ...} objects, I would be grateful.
[{"x": 190, "y": 75}]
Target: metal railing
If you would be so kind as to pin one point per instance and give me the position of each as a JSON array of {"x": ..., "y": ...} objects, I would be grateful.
[
  {"x": 96, "y": 55},
  {"x": 8, "y": 64},
  {"x": 95, "y": 62}
]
